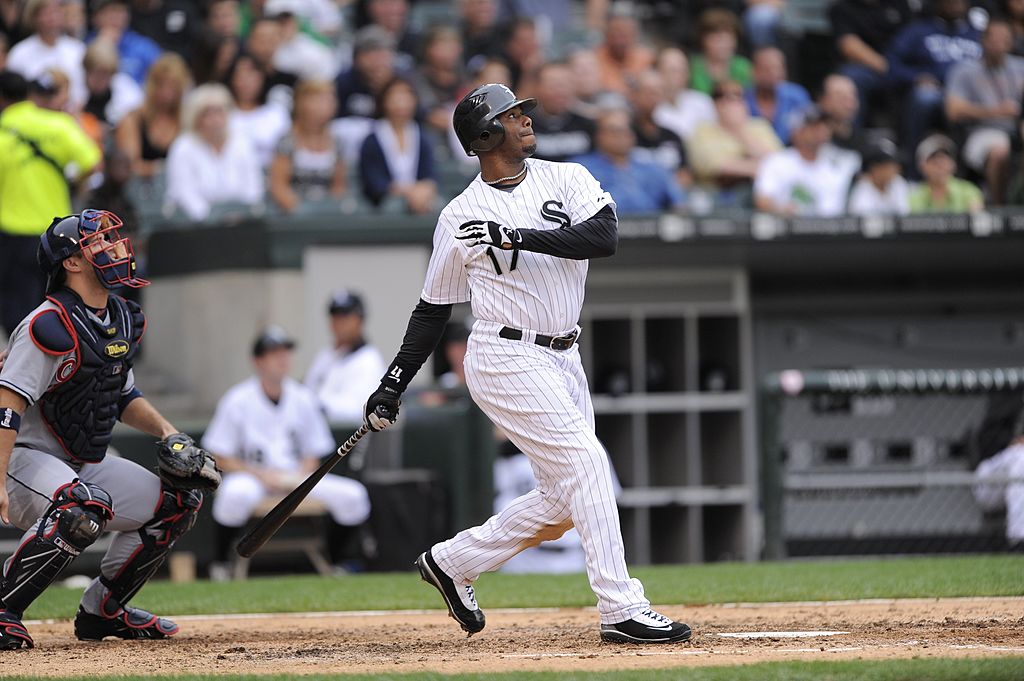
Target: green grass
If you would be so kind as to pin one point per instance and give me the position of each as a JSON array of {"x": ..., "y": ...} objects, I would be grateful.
[
  {"x": 696, "y": 584},
  {"x": 991, "y": 669}
]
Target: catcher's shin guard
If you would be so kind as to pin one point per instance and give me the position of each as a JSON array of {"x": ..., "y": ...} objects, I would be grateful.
[
  {"x": 74, "y": 520},
  {"x": 174, "y": 517}
]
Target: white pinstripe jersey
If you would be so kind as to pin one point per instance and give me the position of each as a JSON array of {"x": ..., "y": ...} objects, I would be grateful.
[{"x": 523, "y": 290}]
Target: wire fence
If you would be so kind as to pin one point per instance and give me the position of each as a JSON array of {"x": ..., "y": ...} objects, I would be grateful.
[{"x": 882, "y": 462}]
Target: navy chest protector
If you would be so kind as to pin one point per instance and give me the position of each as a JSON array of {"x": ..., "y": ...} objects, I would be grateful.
[{"x": 82, "y": 408}]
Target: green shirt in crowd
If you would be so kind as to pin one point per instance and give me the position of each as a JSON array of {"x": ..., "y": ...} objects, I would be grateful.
[
  {"x": 962, "y": 197},
  {"x": 702, "y": 80}
]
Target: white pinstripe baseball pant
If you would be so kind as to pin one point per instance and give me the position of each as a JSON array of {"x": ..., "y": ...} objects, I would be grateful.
[{"x": 540, "y": 398}]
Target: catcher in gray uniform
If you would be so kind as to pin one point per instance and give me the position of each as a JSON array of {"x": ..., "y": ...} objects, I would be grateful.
[{"x": 67, "y": 378}]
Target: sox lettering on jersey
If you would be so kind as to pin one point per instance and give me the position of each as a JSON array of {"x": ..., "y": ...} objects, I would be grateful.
[
  {"x": 513, "y": 382},
  {"x": 559, "y": 217}
]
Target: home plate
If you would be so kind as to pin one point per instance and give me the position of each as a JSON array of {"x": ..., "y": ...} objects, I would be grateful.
[{"x": 781, "y": 634}]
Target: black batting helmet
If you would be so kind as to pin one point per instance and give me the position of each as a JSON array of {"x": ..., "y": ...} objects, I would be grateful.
[{"x": 476, "y": 117}]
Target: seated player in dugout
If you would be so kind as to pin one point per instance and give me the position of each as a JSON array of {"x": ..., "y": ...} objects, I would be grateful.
[
  {"x": 66, "y": 381},
  {"x": 342, "y": 373},
  {"x": 268, "y": 434}
]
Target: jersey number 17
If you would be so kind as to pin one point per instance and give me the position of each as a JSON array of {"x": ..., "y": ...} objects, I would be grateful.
[{"x": 497, "y": 263}]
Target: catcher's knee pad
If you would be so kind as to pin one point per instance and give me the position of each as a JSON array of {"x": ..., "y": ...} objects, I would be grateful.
[
  {"x": 75, "y": 519},
  {"x": 175, "y": 516}
]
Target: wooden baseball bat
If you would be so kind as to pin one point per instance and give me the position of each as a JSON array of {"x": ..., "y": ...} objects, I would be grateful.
[{"x": 276, "y": 517}]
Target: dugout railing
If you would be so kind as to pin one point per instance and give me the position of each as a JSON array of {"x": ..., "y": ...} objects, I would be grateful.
[{"x": 882, "y": 461}]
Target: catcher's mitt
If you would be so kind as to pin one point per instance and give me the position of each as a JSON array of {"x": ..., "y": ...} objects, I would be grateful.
[{"x": 181, "y": 464}]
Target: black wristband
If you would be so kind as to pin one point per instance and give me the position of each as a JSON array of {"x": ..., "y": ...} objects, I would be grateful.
[
  {"x": 10, "y": 419},
  {"x": 397, "y": 377}
]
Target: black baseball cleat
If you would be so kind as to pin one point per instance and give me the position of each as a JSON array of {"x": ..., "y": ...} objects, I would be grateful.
[
  {"x": 13, "y": 634},
  {"x": 129, "y": 623},
  {"x": 461, "y": 600},
  {"x": 647, "y": 627}
]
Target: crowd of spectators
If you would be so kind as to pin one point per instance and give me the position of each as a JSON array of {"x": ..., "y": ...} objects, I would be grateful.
[{"x": 338, "y": 105}]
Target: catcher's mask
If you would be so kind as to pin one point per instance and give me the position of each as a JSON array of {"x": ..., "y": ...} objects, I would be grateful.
[{"x": 96, "y": 235}]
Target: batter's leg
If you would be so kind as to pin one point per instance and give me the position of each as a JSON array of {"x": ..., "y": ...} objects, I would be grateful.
[
  {"x": 526, "y": 522},
  {"x": 523, "y": 389}
]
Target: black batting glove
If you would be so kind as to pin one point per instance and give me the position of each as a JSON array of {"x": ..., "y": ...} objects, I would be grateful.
[
  {"x": 381, "y": 408},
  {"x": 489, "y": 233}
]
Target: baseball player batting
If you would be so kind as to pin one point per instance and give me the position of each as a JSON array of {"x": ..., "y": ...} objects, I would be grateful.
[{"x": 516, "y": 243}]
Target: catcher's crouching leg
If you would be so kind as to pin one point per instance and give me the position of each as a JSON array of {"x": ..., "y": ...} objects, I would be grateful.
[
  {"x": 74, "y": 520},
  {"x": 174, "y": 517}
]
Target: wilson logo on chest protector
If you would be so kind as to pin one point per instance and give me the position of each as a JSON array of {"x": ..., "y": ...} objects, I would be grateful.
[{"x": 115, "y": 349}]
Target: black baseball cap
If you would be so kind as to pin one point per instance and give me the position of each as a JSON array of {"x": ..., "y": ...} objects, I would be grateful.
[
  {"x": 272, "y": 338},
  {"x": 809, "y": 115},
  {"x": 343, "y": 301},
  {"x": 13, "y": 86},
  {"x": 879, "y": 152}
]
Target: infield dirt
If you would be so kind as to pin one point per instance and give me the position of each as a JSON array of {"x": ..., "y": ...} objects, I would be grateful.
[{"x": 565, "y": 639}]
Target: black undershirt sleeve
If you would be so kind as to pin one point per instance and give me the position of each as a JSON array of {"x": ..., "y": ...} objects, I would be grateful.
[
  {"x": 597, "y": 237},
  {"x": 426, "y": 326}
]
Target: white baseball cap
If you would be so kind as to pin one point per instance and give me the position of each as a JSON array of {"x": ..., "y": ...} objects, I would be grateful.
[{"x": 275, "y": 8}]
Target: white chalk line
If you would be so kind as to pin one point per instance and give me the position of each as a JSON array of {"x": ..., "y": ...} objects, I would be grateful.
[
  {"x": 528, "y": 656},
  {"x": 780, "y": 634},
  {"x": 864, "y": 601}
]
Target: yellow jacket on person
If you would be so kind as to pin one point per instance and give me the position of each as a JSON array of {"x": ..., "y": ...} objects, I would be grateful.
[{"x": 39, "y": 148}]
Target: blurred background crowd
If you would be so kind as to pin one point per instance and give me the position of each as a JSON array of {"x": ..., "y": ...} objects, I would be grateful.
[{"x": 207, "y": 107}]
